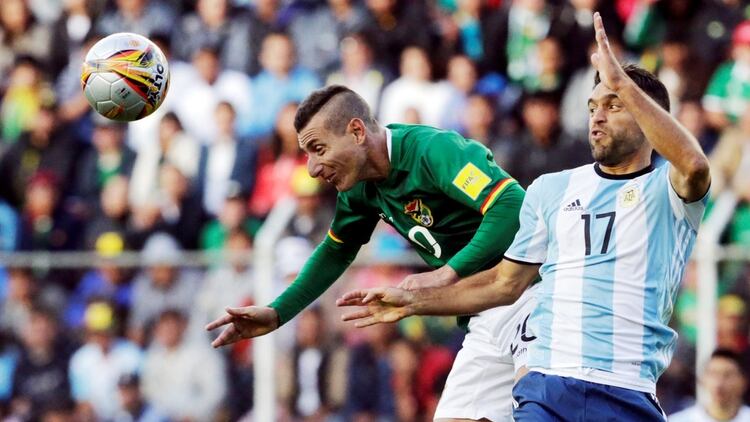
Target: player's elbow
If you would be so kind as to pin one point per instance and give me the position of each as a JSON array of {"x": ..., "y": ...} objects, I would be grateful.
[{"x": 697, "y": 170}]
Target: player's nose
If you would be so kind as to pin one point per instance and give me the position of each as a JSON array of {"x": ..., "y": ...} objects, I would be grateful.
[
  {"x": 313, "y": 168},
  {"x": 599, "y": 115}
]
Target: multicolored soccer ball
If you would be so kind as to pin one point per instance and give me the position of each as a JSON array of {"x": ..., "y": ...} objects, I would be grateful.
[{"x": 125, "y": 77}]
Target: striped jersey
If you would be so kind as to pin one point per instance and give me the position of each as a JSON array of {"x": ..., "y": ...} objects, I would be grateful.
[{"x": 612, "y": 250}]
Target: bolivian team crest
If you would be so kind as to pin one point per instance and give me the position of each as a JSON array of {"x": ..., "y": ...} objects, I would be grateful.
[{"x": 419, "y": 212}]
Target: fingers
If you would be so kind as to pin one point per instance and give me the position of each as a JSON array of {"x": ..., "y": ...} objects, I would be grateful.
[
  {"x": 247, "y": 311},
  {"x": 601, "y": 34},
  {"x": 351, "y": 316},
  {"x": 226, "y": 319},
  {"x": 349, "y": 302},
  {"x": 228, "y": 336},
  {"x": 366, "y": 322},
  {"x": 353, "y": 297}
]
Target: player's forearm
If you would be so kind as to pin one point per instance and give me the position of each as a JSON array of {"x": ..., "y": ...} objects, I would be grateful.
[
  {"x": 498, "y": 286},
  {"x": 494, "y": 235},
  {"x": 324, "y": 267},
  {"x": 668, "y": 137}
]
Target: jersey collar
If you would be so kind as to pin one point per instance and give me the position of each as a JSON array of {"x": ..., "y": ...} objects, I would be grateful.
[
  {"x": 625, "y": 176},
  {"x": 389, "y": 143}
]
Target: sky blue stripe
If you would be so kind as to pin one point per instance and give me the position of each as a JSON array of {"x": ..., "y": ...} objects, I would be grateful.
[
  {"x": 541, "y": 321},
  {"x": 598, "y": 281}
]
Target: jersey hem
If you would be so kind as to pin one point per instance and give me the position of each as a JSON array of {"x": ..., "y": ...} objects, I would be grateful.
[
  {"x": 520, "y": 261},
  {"x": 577, "y": 373}
]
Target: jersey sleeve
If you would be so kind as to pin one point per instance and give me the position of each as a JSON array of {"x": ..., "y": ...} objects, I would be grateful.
[
  {"x": 465, "y": 171},
  {"x": 530, "y": 244},
  {"x": 690, "y": 211},
  {"x": 353, "y": 222}
]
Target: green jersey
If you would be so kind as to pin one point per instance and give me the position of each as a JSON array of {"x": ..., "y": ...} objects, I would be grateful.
[
  {"x": 729, "y": 90},
  {"x": 439, "y": 187},
  {"x": 445, "y": 194}
]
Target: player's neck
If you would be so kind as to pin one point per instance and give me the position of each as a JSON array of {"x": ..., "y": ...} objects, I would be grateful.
[
  {"x": 380, "y": 162},
  {"x": 632, "y": 165}
]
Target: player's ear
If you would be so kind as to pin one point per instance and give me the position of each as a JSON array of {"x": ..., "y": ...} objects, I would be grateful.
[{"x": 357, "y": 129}]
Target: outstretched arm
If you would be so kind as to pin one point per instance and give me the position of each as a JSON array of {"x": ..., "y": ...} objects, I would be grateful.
[
  {"x": 501, "y": 285},
  {"x": 689, "y": 173}
]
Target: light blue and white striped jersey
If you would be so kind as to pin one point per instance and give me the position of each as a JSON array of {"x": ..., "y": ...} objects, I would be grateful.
[{"x": 613, "y": 250}]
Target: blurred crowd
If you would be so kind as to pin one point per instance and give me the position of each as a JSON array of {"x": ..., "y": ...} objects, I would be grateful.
[{"x": 203, "y": 172}]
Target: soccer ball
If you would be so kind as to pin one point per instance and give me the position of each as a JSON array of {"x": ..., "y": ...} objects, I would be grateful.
[{"x": 125, "y": 77}]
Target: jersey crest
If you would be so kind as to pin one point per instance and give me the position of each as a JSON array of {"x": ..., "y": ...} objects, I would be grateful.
[{"x": 419, "y": 212}]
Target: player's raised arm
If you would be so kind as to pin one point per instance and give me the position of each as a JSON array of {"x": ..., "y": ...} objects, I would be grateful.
[
  {"x": 690, "y": 171},
  {"x": 498, "y": 286}
]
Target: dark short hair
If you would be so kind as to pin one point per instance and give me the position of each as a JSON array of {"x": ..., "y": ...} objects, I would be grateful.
[
  {"x": 341, "y": 105},
  {"x": 646, "y": 81},
  {"x": 730, "y": 355}
]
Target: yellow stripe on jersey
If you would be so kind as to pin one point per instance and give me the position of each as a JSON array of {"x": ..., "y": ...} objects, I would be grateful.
[
  {"x": 333, "y": 237},
  {"x": 495, "y": 193}
]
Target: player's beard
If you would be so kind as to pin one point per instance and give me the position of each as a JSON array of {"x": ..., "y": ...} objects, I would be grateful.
[{"x": 622, "y": 145}]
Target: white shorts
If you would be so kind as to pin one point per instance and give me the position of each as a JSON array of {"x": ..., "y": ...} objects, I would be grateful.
[{"x": 480, "y": 382}]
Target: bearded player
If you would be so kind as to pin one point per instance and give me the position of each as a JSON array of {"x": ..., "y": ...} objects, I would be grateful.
[{"x": 443, "y": 193}]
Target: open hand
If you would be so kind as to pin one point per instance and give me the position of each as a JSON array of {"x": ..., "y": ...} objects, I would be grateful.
[
  {"x": 245, "y": 322},
  {"x": 380, "y": 305},
  {"x": 604, "y": 60}
]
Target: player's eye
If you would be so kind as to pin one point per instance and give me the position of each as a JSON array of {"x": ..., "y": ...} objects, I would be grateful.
[
  {"x": 614, "y": 107},
  {"x": 592, "y": 110},
  {"x": 318, "y": 150}
]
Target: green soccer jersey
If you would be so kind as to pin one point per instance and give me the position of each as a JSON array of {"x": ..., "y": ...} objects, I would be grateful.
[
  {"x": 438, "y": 189},
  {"x": 729, "y": 90},
  {"x": 445, "y": 194}
]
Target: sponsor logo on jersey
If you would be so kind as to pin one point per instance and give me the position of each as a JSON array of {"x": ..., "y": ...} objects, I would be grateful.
[
  {"x": 574, "y": 206},
  {"x": 419, "y": 212},
  {"x": 630, "y": 196},
  {"x": 471, "y": 180}
]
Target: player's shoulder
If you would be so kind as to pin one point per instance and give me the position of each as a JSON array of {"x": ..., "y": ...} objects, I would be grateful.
[
  {"x": 422, "y": 136},
  {"x": 559, "y": 179}
]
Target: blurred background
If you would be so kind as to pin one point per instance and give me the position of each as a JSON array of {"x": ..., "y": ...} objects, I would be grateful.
[{"x": 120, "y": 242}]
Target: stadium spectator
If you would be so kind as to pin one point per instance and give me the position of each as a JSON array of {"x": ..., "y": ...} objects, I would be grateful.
[
  {"x": 183, "y": 380},
  {"x": 173, "y": 147},
  {"x": 70, "y": 31},
  {"x": 97, "y": 365},
  {"x": 23, "y": 294},
  {"x": 266, "y": 18},
  {"x": 161, "y": 286},
  {"x": 460, "y": 83},
  {"x": 333, "y": 20},
  {"x": 233, "y": 216},
  {"x": 215, "y": 24},
  {"x": 725, "y": 384},
  {"x": 358, "y": 71},
  {"x": 212, "y": 85},
  {"x": 74, "y": 109},
  {"x": 542, "y": 147},
  {"x": 313, "y": 377},
  {"x": 109, "y": 230},
  {"x": 477, "y": 122},
  {"x": 45, "y": 223},
  {"x": 46, "y": 148},
  {"x": 731, "y": 329},
  {"x": 312, "y": 216},
  {"x": 712, "y": 30},
  {"x": 413, "y": 89},
  {"x": 277, "y": 160},
  {"x": 145, "y": 17},
  {"x": 26, "y": 94},
  {"x": 133, "y": 406},
  {"x": 21, "y": 35},
  {"x": 728, "y": 92},
  {"x": 370, "y": 394},
  {"x": 108, "y": 158},
  {"x": 107, "y": 282},
  {"x": 230, "y": 284},
  {"x": 394, "y": 25},
  {"x": 8, "y": 227},
  {"x": 41, "y": 375},
  {"x": 693, "y": 117},
  {"x": 280, "y": 81},
  {"x": 224, "y": 162}
]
